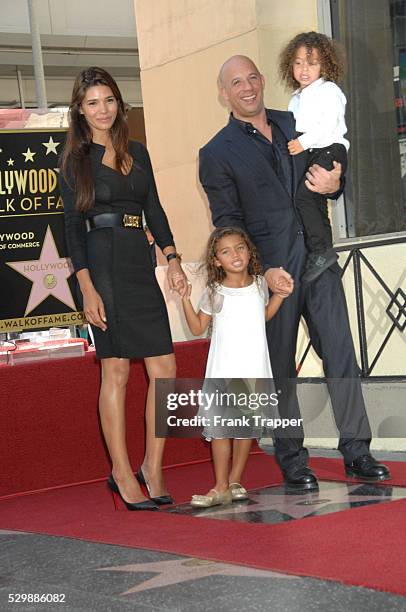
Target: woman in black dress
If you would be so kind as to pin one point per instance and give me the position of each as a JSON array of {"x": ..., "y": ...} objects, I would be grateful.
[{"x": 106, "y": 184}]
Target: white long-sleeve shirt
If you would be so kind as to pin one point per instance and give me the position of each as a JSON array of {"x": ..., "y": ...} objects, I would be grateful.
[{"x": 319, "y": 111}]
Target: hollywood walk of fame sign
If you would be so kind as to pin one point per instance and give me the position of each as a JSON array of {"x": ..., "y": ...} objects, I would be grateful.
[{"x": 36, "y": 278}]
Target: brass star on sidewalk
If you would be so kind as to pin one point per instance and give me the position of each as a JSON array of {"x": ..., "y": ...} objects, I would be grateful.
[
  {"x": 51, "y": 146},
  {"x": 29, "y": 155},
  {"x": 184, "y": 570}
]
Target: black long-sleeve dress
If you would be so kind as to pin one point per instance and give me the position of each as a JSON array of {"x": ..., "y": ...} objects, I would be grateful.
[{"x": 118, "y": 258}]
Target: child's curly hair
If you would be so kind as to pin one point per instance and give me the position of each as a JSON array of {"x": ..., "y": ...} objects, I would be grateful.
[
  {"x": 215, "y": 273},
  {"x": 331, "y": 57}
]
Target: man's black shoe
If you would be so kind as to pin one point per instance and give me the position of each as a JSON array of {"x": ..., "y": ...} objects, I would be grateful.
[
  {"x": 317, "y": 263},
  {"x": 301, "y": 479},
  {"x": 368, "y": 469}
]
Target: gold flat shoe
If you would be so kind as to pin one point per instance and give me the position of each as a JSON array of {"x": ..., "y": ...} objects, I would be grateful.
[
  {"x": 238, "y": 492},
  {"x": 213, "y": 498}
]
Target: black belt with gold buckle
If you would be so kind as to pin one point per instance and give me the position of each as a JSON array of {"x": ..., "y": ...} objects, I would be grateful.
[{"x": 114, "y": 220}]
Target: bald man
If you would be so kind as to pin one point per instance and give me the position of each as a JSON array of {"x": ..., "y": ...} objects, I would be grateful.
[{"x": 250, "y": 180}]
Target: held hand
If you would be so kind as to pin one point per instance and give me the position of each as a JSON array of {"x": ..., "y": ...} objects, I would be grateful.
[
  {"x": 176, "y": 278},
  {"x": 295, "y": 147},
  {"x": 286, "y": 287},
  {"x": 93, "y": 308},
  {"x": 323, "y": 181},
  {"x": 279, "y": 281}
]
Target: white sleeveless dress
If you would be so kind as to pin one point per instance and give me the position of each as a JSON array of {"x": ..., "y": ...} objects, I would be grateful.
[
  {"x": 238, "y": 349},
  {"x": 238, "y": 346}
]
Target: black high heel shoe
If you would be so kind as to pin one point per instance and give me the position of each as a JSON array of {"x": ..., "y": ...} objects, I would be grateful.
[
  {"x": 161, "y": 500},
  {"x": 148, "y": 504}
]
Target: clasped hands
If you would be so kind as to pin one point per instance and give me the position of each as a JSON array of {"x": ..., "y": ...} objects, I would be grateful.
[
  {"x": 177, "y": 278},
  {"x": 279, "y": 281}
]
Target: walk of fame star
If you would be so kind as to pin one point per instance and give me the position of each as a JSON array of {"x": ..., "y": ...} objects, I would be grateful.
[
  {"x": 51, "y": 146},
  {"x": 184, "y": 570},
  {"x": 49, "y": 275},
  {"x": 273, "y": 505},
  {"x": 29, "y": 155}
]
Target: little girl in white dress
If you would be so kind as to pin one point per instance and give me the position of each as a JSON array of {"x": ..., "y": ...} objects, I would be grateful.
[{"x": 236, "y": 302}]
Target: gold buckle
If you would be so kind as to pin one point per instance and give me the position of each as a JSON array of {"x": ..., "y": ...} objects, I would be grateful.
[{"x": 132, "y": 221}]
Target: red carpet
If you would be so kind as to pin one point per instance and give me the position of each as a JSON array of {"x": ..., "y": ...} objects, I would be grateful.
[
  {"x": 51, "y": 438},
  {"x": 50, "y": 426},
  {"x": 362, "y": 546}
]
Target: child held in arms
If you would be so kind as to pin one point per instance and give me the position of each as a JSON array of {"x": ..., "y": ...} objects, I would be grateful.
[{"x": 311, "y": 65}]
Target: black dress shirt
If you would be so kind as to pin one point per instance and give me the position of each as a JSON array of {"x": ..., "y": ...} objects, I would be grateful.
[{"x": 275, "y": 152}]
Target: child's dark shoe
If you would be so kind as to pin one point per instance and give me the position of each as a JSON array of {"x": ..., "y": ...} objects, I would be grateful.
[{"x": 317, "y": 263}]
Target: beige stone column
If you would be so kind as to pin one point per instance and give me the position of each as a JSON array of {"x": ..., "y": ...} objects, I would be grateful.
[{"x": 182, "y": 44}]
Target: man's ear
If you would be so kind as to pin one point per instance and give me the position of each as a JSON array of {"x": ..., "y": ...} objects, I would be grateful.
[{"x": 223, "y": 94}]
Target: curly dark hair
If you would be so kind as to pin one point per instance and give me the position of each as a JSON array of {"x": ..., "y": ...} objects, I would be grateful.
[
  {"x": 215, "y": 273},
  {"x": 331, "y": 57}
]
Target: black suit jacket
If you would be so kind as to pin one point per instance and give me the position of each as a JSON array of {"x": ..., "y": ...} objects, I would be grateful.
[{"x": 244, "y": 191}]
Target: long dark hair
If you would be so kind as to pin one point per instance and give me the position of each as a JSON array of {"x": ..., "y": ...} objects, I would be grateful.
[{"x": 75, "y": 161}]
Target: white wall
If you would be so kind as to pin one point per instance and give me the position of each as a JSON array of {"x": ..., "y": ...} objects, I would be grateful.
[{"x": 71, "y": 17}]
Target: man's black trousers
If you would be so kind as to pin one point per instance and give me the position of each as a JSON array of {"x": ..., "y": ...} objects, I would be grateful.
[{"x": 323, "y": 305}]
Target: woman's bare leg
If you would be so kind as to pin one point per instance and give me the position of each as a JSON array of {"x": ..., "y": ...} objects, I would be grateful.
[
  {"x": 115, "y": 373},
  {"x": 163, "y": 366}
]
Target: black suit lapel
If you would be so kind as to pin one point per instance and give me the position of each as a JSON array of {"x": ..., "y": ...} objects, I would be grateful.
[
  {"x": 257, "y": 163},
  {"x": 284, "y": 121}
]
